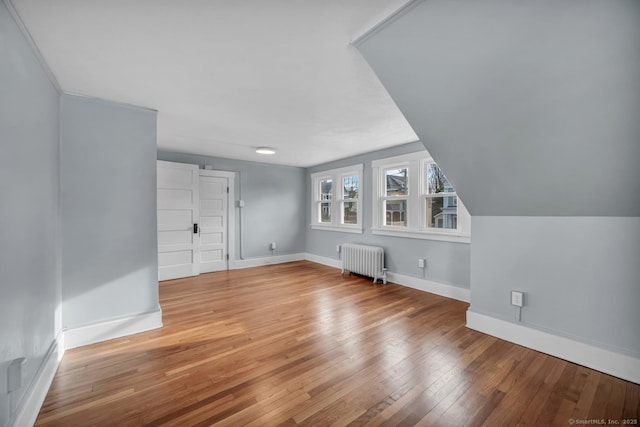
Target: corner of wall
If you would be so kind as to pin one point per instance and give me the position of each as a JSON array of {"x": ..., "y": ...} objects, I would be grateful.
[{"x": 27, "y": 35}]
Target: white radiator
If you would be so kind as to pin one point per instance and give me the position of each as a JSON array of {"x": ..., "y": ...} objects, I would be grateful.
[{"x": 365, "y": 260}]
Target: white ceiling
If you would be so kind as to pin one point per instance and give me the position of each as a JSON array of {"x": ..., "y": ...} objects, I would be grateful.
[{"x": 229, "y": 76}]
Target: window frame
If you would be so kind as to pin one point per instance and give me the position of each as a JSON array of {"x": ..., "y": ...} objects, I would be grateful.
[
  {"x": 338, "y": 199},
  {"x": 416, "y": 209}
]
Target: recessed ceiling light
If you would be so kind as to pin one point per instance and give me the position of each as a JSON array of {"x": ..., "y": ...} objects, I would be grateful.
[{"x": 265, "y": 150}]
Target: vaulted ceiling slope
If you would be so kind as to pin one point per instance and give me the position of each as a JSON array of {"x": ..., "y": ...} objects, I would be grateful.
[
  {"x": 228, "y": 76},
  {"x": 530, "y": 107}
]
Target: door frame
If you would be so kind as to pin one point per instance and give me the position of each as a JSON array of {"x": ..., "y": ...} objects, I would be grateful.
[{"x": 231, "y": 211}]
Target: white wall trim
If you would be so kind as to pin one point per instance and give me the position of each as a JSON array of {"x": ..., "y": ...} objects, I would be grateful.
[
  {"x": 454, "y": 292},
  {"x": 111, "y": 329},
  {"x": 425, "y": 235},
  {"x": 335, "y": 263},
  {"x": 338, "y": 228},
  {"x": 449, "y": 291},
  {"x": 32, "y": 401},
  {"x": 257, "y": 262},
  {"x": 609, "y": 362}
]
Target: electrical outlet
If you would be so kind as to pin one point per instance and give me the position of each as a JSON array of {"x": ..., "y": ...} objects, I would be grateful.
[
  {"x": 337, "y": 248},
  {"x": 421, "y": 263},
  {"x": 15, "y": 376},
  {"x": 273, "y": 246},
  {"x": 517, "y": 298}
]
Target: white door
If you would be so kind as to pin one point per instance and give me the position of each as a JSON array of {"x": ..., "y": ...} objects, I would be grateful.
[
  {"x": 214, "y": 224},
  {"x": 178, "y": 219}
]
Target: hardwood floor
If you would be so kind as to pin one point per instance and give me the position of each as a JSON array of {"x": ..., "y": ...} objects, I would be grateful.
[{"x": 297, "y": 344}]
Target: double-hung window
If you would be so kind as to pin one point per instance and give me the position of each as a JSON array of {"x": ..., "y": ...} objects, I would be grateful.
[
  {"x": 337, "y": 199},
  {"x": 413, "y": 198}
]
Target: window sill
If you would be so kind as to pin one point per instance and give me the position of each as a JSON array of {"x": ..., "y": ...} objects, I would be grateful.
[
  {"x": 412, "y": 234},
  {"x": 355, "y": 230}
]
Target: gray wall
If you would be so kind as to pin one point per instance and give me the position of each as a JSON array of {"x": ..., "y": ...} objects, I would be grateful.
[
  {"x": 108, "y": 199},
  {"x": 274, "y": 203},
  {"x": 531, "y": 108},
  {"x": 29, "y": 212},
  {"x": 581, "y": 275},
  {"x": 447, "y": 262}
]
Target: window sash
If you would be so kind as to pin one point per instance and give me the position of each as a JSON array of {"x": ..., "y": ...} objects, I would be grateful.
[
  {"x": 342, "y": 190},
  {"x": 403, "y": 216},
  {"x": 320, "y": 214},
  {"x": 343, "y": 205},
  {"x": 453, "y": 216},
  {"x": 385, "y": 181}
]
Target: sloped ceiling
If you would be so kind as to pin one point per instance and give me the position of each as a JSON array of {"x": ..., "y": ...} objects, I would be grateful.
[
  {"x": 228, "y": 76},
  {"x": 530, "y": 107}
]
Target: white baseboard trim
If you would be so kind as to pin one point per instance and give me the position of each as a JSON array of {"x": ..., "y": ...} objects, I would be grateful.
[
  {"x": 111, "y": 329},
  {"x": 336, "y": 263},
  {"x": 609, "y": 362},
  {"x": 454, "y": 292},
  {"x": 27, "y": 413},
  {"x": 460, "y": 294},
  {"x": 257, "y": 262}
]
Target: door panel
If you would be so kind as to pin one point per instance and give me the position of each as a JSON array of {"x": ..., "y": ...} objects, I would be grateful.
[
  {"x": 214, "y": 255},
  {"x": 178, "y": 210},
  {"x": 174, "y": 199},
  {"x": 212, "y": 238},
  {"x": 213, "y": 223},
  {"x": 167, "y": 217},
  {"x": 180, "y": 237},
  {"x": 175, "y": 258}
]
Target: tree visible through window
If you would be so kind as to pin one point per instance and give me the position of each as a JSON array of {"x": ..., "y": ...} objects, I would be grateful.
[{"x": 441, "y": 200}]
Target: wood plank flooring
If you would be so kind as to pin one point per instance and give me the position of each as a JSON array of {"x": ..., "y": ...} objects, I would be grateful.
[{"x": 297, "y": 344}]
